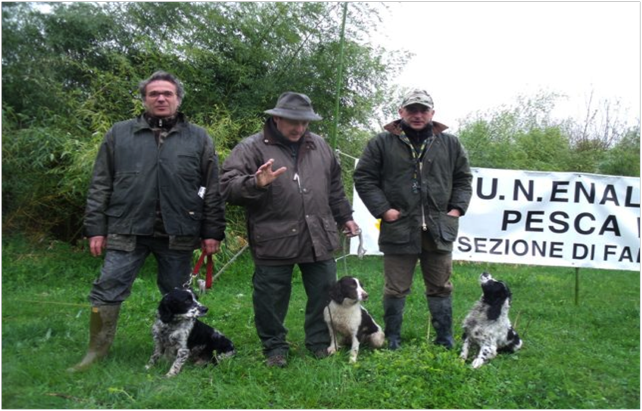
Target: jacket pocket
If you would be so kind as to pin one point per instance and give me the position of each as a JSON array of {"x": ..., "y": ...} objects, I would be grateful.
[
  {"x": 188, "y": 164},
  {"x": 124, "y": 188},
  {"x": 448, "y": 227},
  {"x": 276, "y": 241},
  {"x": 185, "y": 243},
  {"x": 397, "y": 232},
  {"x": 331, "y": 232},
  {"x": 121, "y": 242},
  {"x": 116, "y": 211}
]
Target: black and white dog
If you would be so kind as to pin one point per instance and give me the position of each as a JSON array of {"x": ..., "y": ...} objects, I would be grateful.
[
  {"x": 180, "y": 336},
  {"x": 487, "y": 325},
  {"x": 344, "y": 315}
]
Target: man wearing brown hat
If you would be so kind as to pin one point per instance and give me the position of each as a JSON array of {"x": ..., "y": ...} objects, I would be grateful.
[
  {"x": 417, "y": 180},
  {"x": 289, "y": 182}
]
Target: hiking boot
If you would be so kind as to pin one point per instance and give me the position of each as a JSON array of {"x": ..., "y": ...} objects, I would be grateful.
[
  {"x": 277, "y": 360},
  {"x": 321, "y": 353}
]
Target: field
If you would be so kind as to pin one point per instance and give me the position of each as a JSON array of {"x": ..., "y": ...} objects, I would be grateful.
[{"x": 574, "y": 356}]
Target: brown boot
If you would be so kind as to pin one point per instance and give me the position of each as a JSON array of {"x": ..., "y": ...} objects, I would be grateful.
[{"x": 102, "y": 329}]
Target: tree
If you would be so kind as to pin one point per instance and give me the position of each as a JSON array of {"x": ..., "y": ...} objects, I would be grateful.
[
  {"x": 526, "y": 137},
  {"x": 624, "y": 158},
  {"x": 71, "y": 71}
]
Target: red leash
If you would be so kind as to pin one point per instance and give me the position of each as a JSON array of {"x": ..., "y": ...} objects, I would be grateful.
[{"x": 210, "y": 269}]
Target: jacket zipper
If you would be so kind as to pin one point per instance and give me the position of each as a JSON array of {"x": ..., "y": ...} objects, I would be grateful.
[
  {"x": 298, "y": 181},
  {"x": 423, "y": 212}
]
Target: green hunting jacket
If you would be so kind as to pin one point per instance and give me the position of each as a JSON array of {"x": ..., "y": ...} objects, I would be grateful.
[
  {"x": 383, "y": 179},
  {"x": 132, "y": 174},
  {"x": 295, "y": 218}
]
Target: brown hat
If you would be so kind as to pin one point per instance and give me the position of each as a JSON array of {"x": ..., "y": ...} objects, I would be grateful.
[{"x": 294, "y": 106}]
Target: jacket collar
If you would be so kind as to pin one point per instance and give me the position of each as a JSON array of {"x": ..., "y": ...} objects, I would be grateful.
[
  {"x": 142, "y": 124},
  {"x": 395, "y": 127},
  {"x": 269, "y": 137}
]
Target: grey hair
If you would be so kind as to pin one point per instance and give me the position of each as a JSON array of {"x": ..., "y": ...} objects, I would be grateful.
[{"x": 164, "y": 76}]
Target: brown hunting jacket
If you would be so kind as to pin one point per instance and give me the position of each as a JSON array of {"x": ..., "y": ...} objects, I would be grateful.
[{"x": 296, "y": 218}]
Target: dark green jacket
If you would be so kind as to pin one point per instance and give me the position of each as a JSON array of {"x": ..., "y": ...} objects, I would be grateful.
[
  {"x": 383, "y": 178},
  {"x": 294, "y": 219},
  {"x": 132, "y": 174}
]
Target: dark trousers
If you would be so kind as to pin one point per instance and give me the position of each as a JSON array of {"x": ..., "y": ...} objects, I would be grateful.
[
  {"x": 272, "y": 291},
  {"x": 120, "y": 269},
  {"x": 436, "y": 268}
]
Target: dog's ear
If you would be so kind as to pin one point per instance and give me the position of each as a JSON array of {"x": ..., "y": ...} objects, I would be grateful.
[
  {"x": 495, "y": 308},
  {"x": 164, "y": 311},
  {"x": 509, "y": 294},
  {"x": 335, "y": 293}
]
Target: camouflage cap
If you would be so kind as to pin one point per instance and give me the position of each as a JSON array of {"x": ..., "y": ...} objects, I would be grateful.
[{"x": 418, "y": 96}]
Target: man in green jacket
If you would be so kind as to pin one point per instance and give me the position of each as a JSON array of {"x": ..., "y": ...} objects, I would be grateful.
[
  {"x": 417, "y": 180},
  {"x": 289, "y": 182},
  {"x": 154, "y": 190}
]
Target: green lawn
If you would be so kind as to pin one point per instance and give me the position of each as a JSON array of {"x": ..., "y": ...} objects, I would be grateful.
[{"x": 574, "y": 356}]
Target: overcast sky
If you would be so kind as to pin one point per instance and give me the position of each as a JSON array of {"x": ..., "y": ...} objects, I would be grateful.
[{"x": 474, "y": 56}]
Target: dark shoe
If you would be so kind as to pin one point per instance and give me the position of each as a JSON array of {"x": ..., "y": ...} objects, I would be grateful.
[
  {"x": 394, "y": 343},
  {"x": 322, "y": 353},
  {"x": 276, "y": 361}
]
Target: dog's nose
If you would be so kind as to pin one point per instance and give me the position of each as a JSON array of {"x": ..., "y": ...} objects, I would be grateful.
[
  {"x": 364, "y": 296},
  {"x": 202, "y": 309}
]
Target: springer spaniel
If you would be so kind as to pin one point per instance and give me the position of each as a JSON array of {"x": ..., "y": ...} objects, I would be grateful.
[
  {"x": 180, "y": 336},
  {"x": 487, "y": 325},
  {"x": 344, "y": 315}
]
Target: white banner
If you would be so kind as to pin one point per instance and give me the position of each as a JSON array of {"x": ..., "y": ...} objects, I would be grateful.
[{"x": 541, "y": 218}]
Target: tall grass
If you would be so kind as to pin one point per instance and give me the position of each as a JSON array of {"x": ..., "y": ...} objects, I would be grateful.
[{"x": 585, "y": 356}]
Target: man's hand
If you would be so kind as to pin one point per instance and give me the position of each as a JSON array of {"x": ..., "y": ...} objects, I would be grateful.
[
  {"x": 351, "y": 229},
  {"x": 265, "y": 175},
  {"x": 391, "y": 215},
  {"x": 210, "y": 246},
  {"x": 97, "y": 245},
  {"x": 454, "y": 212}
]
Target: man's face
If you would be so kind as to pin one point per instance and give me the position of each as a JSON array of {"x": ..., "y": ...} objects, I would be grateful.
[
  {"x": 417, "y": 116},
  {"x": 292, "y": 129},
  {"x": 161, "y": 99}
]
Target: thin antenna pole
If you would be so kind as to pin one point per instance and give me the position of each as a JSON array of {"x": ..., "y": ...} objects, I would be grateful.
[
  {"x": 333, "y": 135},
  {"x": 577, "y": 286}
]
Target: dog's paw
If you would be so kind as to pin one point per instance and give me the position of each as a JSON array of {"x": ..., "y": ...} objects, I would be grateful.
[
  {"x": 148, "y": 366},
  {"x": 478, "y": 362},
  {"x": 378, "y": 339},
  {"x": 170, "y": 374},
  {"x": 518, "y": 346},
  {"x": 353, "y": 360},
  {"x": 331, "y": 350},
  {"x": 225, "y": 355}
]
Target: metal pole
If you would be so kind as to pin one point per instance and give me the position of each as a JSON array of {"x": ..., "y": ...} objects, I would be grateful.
[
  {"x": 577, "y": 286},
  {"x": 333, "y": 135}
]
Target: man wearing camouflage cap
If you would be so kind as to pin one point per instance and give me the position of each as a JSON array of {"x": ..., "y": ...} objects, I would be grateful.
[
  {"x": 417, "y": 180},
  {"x": 289, "y": 182}
]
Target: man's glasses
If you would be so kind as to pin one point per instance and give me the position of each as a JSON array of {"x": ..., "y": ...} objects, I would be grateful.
[{"x": 157, "y": 94}]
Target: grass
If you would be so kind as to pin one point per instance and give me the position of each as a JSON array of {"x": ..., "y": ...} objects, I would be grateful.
[{"x": 585, "y": 356}]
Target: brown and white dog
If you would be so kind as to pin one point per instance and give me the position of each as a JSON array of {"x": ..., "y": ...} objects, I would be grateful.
[{"x": 344, "y": 315}]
